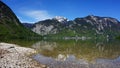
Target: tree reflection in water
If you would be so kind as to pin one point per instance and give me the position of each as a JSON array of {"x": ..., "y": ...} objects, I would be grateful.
[{"x": 79, "y": 54}]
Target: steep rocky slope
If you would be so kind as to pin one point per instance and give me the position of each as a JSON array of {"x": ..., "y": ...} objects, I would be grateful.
[{"x": 10, "y": 26}]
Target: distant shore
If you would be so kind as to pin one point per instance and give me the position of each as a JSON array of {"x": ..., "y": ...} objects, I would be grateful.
[{"x": 14, "y": 56}]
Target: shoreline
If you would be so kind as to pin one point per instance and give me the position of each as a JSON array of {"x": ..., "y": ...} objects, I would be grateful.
[{"x": 14, "y": 56}]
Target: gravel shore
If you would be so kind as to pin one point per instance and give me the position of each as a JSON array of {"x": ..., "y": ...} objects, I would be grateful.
[{"x": 14, "y": 56}]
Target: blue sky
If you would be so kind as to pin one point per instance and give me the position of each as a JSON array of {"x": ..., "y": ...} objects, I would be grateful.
[{"x": 35, "y": 10}]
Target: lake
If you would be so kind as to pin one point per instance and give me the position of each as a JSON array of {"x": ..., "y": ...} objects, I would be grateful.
[{"x": 76, "y": 53}]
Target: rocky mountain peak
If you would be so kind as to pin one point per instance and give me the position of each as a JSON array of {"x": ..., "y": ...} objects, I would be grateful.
[
  {"x": 89, "y": 25},
  {"x": 98, "y": 19},
  {"x": 109, "y": 19},
  {"x": 91, "y": 16},
  {"x": 60, "y": 19}
]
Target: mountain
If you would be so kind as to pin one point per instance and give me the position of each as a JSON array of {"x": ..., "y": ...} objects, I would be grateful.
[
  {"x": 28, "y": 25},
  {"x": 89, "y": 26},
  {"x": 10, "y": 26},
  {"x": 50, "y": 26}
]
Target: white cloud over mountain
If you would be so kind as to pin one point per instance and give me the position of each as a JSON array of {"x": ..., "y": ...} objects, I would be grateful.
[{"x": 37, "y": 15}]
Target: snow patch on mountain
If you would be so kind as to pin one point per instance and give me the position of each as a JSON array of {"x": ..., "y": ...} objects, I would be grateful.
[{"x": 60, "y": 19}]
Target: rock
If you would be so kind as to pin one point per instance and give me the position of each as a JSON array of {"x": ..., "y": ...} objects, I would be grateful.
[
  {"x": 12, "y": 47},
  {"x": 1, "y": 56},
  {"x": 14, "y": 56}
]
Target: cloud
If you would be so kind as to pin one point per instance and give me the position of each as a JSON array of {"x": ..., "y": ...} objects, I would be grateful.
[{"x": 37, "y": 15}]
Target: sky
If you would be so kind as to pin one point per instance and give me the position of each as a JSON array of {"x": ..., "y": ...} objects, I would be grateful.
[{"x": 31, "y": 11}]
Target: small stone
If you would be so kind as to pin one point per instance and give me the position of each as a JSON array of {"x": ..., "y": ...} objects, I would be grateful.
[
  {"x": 43, "y": 66},
  {"x": 2, "y": 57},
  {"x": 11, "y": 47},
  {"x": 18, "y": 59}
]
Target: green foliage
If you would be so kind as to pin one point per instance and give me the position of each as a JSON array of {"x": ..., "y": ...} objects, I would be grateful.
[
  {"x": 10, "y": 26},
  {"x": 118, "y": 37},
  {"x": 9, "y": 30}
]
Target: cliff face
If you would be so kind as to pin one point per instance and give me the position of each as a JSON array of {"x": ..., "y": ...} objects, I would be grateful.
[
  {"x": 90, "y": 26},
  {"x": 10, "y": 26}
]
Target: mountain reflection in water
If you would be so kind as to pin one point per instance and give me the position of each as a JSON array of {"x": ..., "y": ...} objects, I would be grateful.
[{"x": 80, "y": 54}]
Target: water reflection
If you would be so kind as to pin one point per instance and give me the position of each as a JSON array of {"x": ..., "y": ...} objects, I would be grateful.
[
  {"x": 80, "y": 54},
  {"x": 43, "y": 45}
]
